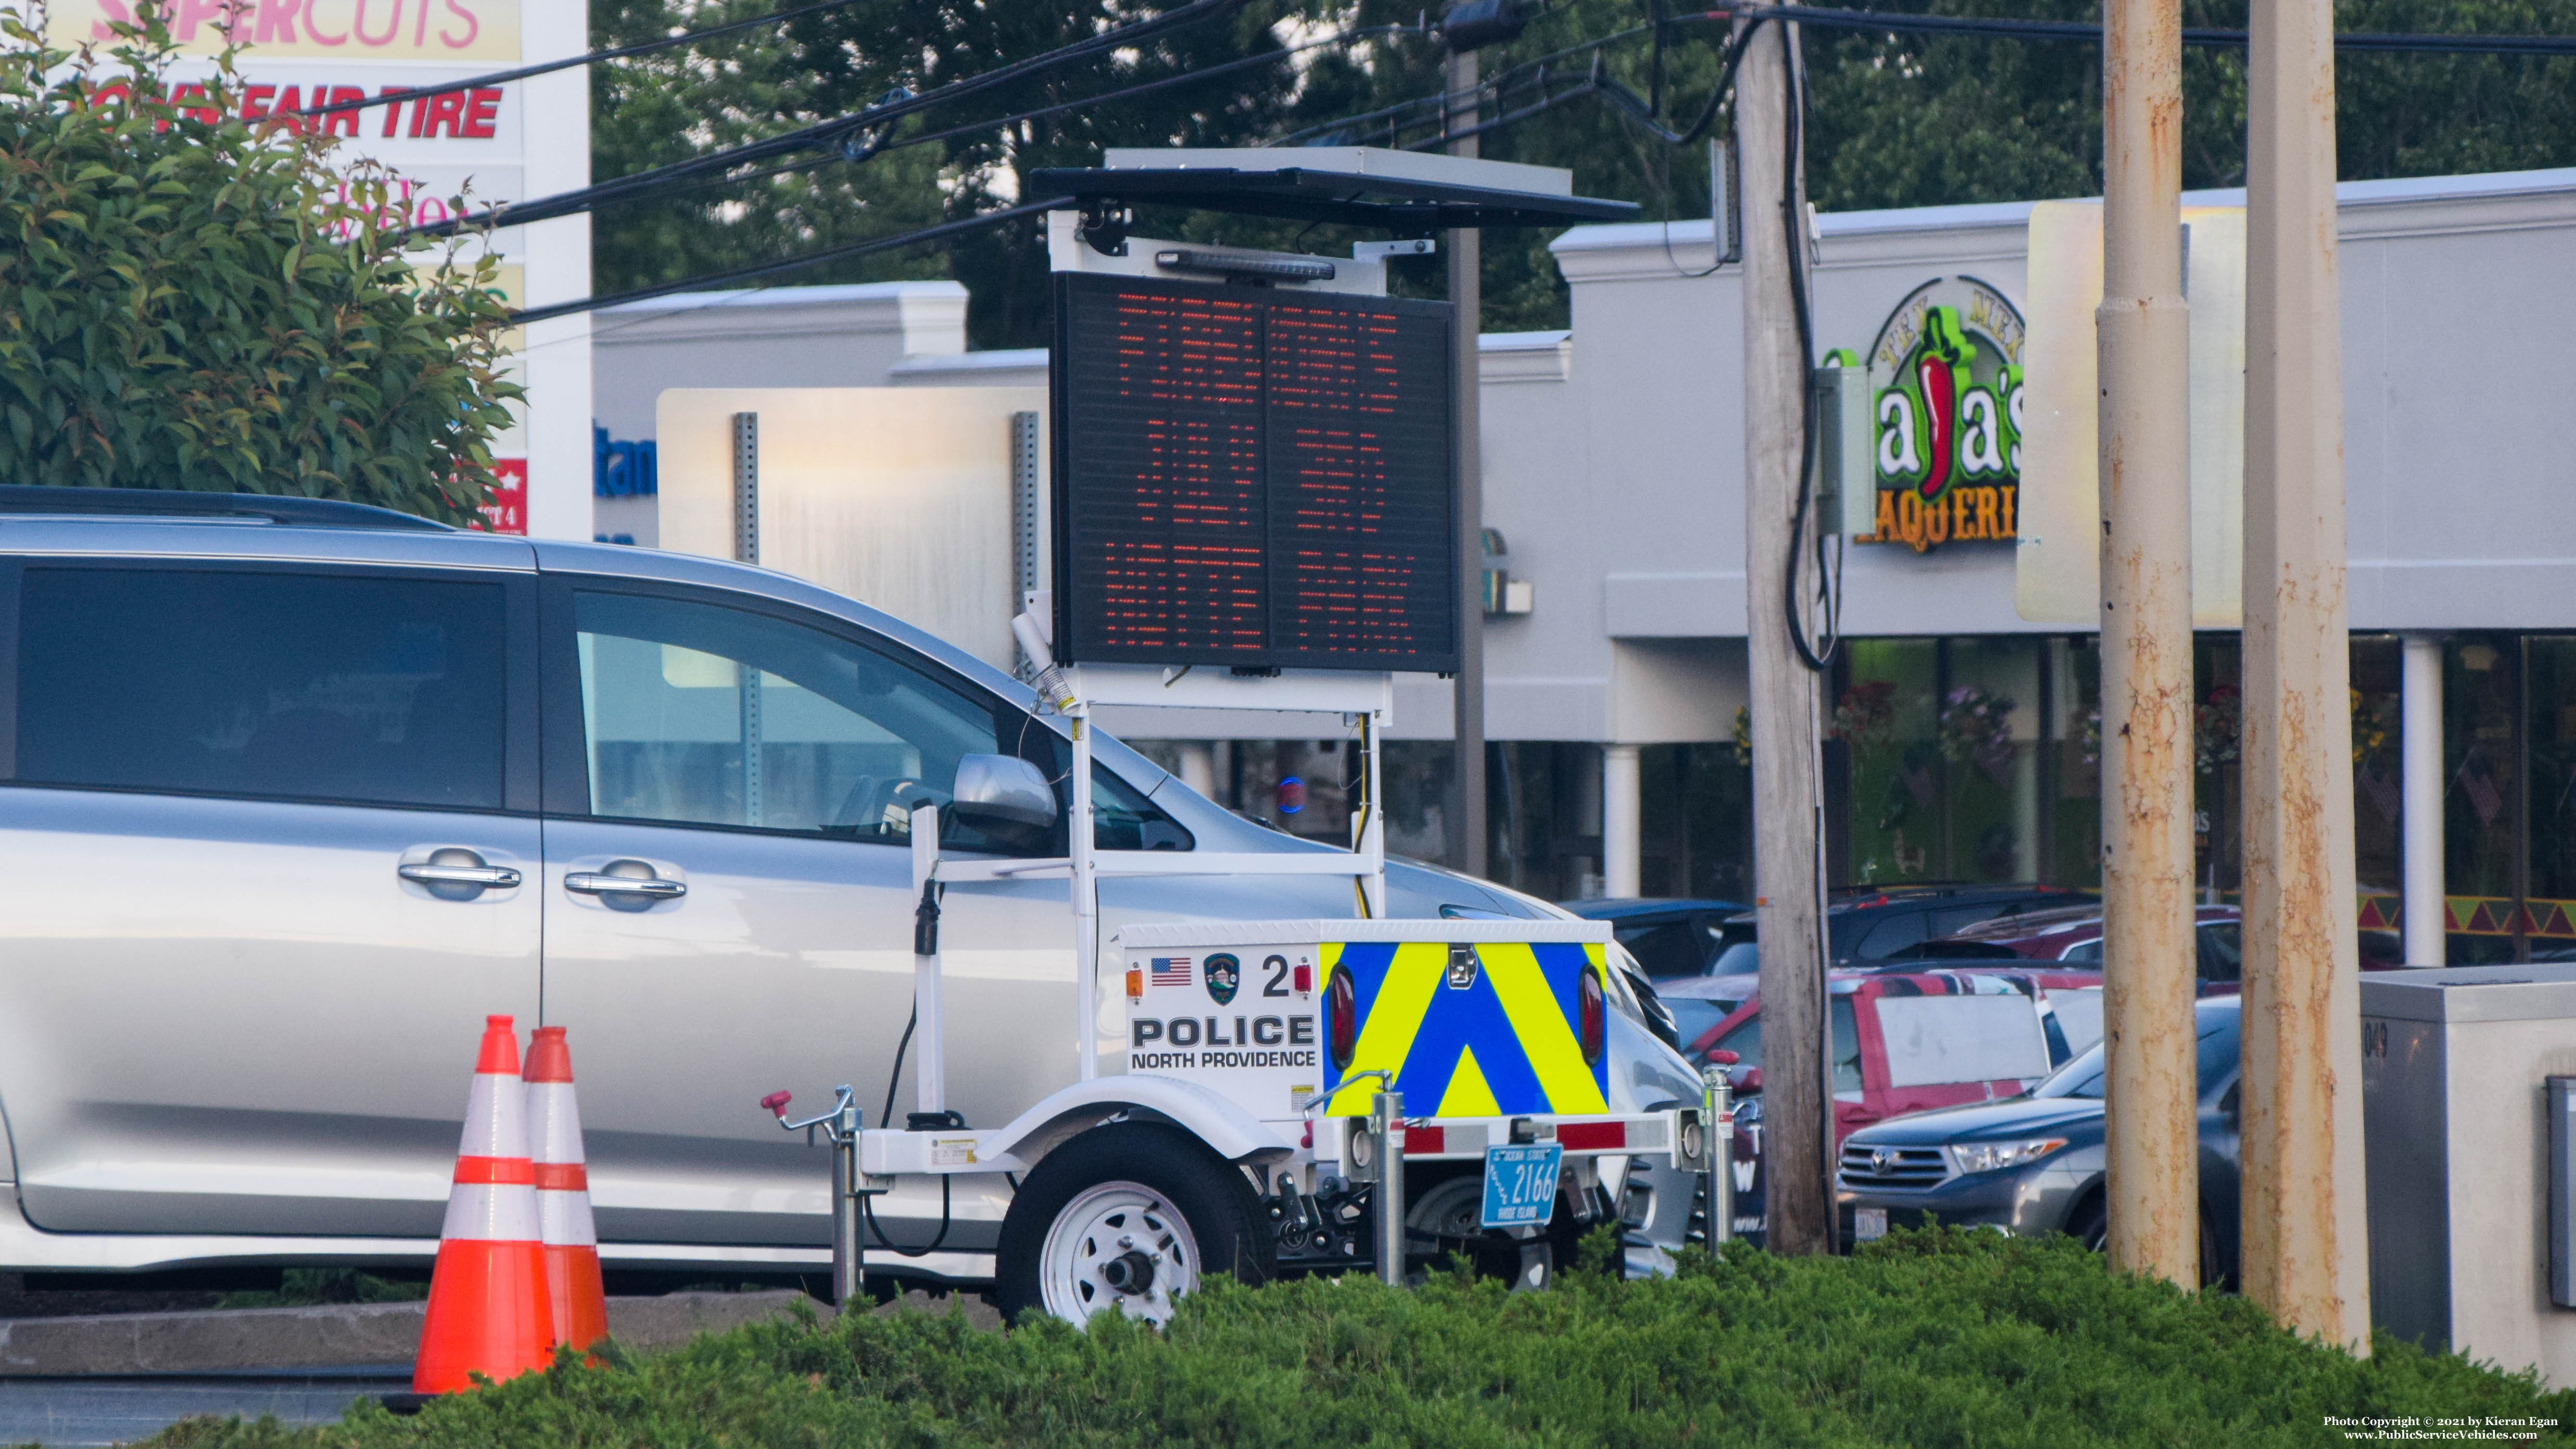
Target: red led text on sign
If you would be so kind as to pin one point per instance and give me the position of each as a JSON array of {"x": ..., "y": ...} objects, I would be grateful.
[{"x": 1254, "y": 478}]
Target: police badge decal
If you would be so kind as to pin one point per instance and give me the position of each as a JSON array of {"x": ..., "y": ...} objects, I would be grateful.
[{"x": 1224, "y": 974}]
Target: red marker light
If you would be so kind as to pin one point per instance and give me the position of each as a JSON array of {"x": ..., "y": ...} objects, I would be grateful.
[{"x": 1303, "y": 979}]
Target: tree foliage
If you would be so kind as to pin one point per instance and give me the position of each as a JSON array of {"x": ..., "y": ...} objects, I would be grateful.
[
  {"x": 191, "y": 301},
  {"x": 1894, "y": 120}
]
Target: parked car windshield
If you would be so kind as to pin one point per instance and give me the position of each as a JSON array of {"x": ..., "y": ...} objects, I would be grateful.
[{"x": 2082, "y": 1077}]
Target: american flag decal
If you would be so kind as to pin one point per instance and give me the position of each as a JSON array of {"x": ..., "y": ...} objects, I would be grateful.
[{"x": 1171, "y": 970}]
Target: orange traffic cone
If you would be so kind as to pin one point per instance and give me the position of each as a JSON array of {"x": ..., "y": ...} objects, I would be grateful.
[
  {"x": 579, "y": 1303},
  {"x": 488, "y": 1312}
]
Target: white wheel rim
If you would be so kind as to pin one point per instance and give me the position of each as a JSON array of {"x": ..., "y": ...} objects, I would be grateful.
[{"x": 1102, "y": 1235}]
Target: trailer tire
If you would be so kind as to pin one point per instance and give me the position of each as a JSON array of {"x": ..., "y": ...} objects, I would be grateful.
[{"x": 1130, "y": 1179}]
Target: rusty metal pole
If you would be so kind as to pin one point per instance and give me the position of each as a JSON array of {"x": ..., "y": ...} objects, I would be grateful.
[
  {"x": 2146, "y": 651},
  {"x": 2306, "y": 1250},
  {"x": 1787, "y": 796}
]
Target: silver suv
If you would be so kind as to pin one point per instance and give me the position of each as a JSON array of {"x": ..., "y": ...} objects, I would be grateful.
[{"x": 293, "y": 794}]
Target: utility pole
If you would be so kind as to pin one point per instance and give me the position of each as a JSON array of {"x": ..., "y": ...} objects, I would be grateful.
[
  {"x": 2306, "y": 1240},
  {"x": 1788, "y": 798},
  {"x": 1467, "y": 835},
  {"x": 2147, "y": 948}
]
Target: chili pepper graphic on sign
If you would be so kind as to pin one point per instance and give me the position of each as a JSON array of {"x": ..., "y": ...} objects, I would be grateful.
[{"x": 1946, "y": 354}]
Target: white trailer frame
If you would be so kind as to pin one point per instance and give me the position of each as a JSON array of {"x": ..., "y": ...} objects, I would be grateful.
[{"x": 1230, "y": 1129}]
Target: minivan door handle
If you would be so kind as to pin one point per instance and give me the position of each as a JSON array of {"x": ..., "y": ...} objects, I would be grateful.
[
  {"x": 492, "y": 877},
  {"x": 626, "y": 890},
  {"x": 455, "y": 873}
]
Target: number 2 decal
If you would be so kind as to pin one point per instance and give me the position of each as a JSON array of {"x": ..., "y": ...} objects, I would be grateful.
[{"x": 1277, "y": 966}]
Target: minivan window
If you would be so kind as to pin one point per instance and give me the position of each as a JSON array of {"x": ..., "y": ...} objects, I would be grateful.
[
  {"x": 700, "y": 714},
  {"x": 697, "y": 713},
  {"x": 344, "y": 687}
]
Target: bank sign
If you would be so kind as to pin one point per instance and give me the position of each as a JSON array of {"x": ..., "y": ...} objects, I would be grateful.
[{"x": 1945, "y": 382}]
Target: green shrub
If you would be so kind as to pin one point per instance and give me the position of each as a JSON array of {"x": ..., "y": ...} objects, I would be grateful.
[
  {"x": 190, "y": 300},
  {"x": 1932, "y": 1338}
]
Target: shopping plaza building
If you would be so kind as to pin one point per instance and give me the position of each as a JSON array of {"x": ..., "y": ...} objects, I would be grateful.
[{"x": 1962, "y": 705}]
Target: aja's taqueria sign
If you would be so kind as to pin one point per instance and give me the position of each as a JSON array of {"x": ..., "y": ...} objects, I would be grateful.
[
  {"x": 1945, "y": 384},
  {"x": 1987, "y": 432}
]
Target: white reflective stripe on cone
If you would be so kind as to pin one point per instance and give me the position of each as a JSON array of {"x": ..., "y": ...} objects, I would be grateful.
[
  {"x": 496, "y": 1117},
  {"x": 554, "y": 1123},
  {"x": 491, "y": 1213},
  {"x": 565, "y": 1220}
]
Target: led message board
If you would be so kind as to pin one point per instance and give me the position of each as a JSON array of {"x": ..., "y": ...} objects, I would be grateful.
[{"x": 1252, "y": 477}]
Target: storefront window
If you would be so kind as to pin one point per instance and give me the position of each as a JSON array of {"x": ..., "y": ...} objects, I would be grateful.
[
  {"x": 1696, "y": 818},
  {"x": 1543, "y": 808},
  {"x": 2217, "y": 767},
  {"x": 1936, "y": 742},
  {"x": 2549, "y": 917},
  {"x": 2071, "y": 759},
  {"x": 2479, "y": 759},
  {"x": 1420, "y": 776},
  {"x": 1989, "y": 720},
  {"x": 1884, "y": 721},
  {"x": 2378, "y": 816}
]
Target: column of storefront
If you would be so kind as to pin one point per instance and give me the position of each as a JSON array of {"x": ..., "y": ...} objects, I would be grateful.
[{"x": 2421, "y": 743}]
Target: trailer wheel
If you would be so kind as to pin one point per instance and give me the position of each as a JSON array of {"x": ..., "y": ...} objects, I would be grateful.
[{"x": 1130, "y": 1216}]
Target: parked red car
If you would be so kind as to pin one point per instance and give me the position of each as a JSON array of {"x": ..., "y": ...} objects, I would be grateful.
[{"x": 1907, "y": 1041}]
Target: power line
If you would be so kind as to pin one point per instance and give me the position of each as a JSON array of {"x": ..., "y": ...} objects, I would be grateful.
[
  {"x": 1872, "y": 21},
  {"x": 945, "y": 229},
  {"x": 593, "y": 57},
  {"x": 941, "y": 232},
  {"x": 830, "y": 132},
  {"x": 1829, "y": 18},
  {"x": 1144, "y": 87},
  {"x": 1529, "y": 75}
]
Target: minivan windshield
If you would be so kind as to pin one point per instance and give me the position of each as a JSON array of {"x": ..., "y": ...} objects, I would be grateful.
[{"x": 2082, "y": 1077}]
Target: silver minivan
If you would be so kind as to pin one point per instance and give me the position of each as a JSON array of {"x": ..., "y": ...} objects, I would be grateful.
[{"x": 294, "y": 794}]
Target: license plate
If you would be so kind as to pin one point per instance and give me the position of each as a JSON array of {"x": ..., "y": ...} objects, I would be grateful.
[
  {"x": 1868, "y": 1224},
  {"x": 1520, "y": 1184}
]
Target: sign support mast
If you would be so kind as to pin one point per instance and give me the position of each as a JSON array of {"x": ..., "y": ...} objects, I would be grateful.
[{"x": 1469, "y": 838}]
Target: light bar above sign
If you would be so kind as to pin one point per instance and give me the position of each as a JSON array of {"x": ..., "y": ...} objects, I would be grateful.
[{"x": 1252, "y": 477}]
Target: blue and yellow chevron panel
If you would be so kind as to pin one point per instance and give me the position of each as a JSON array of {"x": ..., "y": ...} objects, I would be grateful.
[{"x": 1503, "y": 1045}]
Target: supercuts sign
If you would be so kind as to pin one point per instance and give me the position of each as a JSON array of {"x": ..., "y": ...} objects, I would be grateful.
[{"x": 1946, "y": 392}]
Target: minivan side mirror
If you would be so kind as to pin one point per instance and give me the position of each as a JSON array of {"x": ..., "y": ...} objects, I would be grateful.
[{"x": 1002, "y": 789}]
